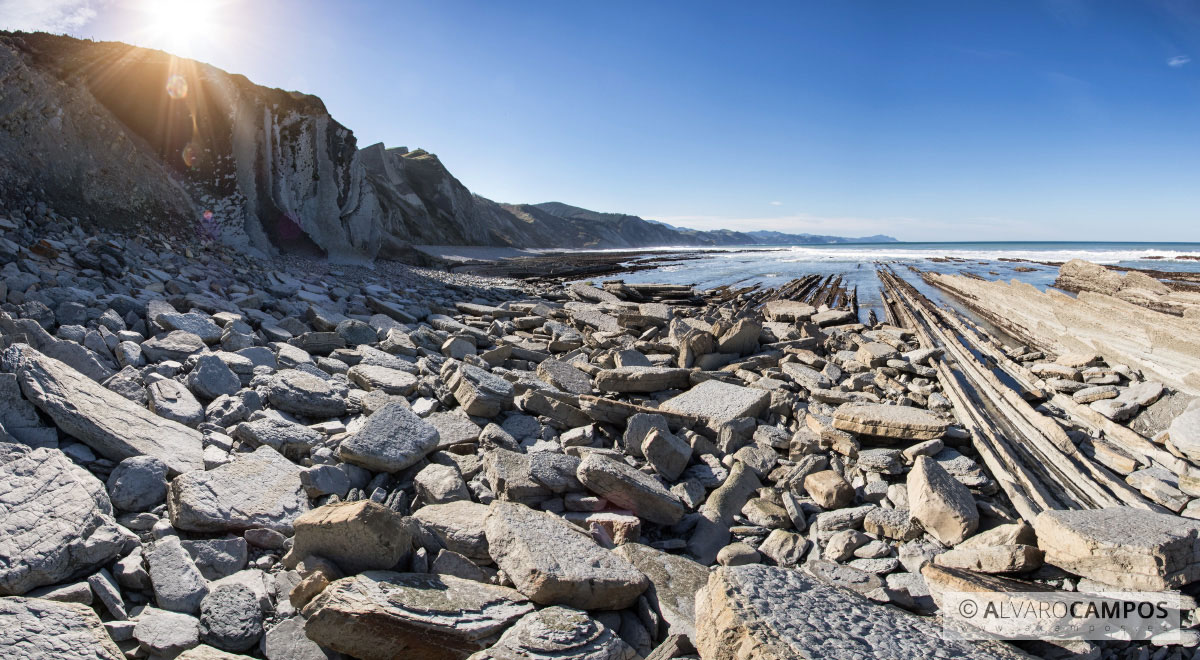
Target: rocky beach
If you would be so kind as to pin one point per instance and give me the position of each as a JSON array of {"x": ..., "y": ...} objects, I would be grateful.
[
  {"x": 211, "y": 457},
  {"x": 267, "y": 394}
]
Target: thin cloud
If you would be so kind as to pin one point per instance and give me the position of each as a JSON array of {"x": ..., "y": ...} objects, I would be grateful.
[
  {"x": 776, "y": 203},
  {"x": 58, "y": 16},
  {"x": 1178, "y": 61}
]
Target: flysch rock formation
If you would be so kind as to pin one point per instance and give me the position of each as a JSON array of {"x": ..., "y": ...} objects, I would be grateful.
[
  {"x": 106, "y": 131},
  {"x": 204, "y": 456}
]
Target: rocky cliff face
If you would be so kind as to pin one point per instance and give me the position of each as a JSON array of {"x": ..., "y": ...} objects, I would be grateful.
[{"x": 137, "y": 138}]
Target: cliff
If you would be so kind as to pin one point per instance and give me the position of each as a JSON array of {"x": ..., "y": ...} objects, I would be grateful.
[{"x": 135, "y": 138}]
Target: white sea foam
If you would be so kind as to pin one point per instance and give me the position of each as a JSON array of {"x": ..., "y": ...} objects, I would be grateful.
[{"x": 848, "y": 253}]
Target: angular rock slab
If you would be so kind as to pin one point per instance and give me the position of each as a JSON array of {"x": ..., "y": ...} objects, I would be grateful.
[
  {"x": 55, "y": 522},
  {"x": 114, "y": 426},
  {"x": 37, "y": 629},
  {"x": 393, "y": 439},
  {"x": 357, "y": 536},
  {"x": 903, "y": 422},
  {"x": 630, "y": 489},
  {"x": 1125, "y": 547},
  {"x": 258, "y": 489},
  {"x": 674, "y": 583},
  {"x": 718, "y": 402},
  {"x": 379, "y": 615},
  {"x": 558, "y": 632},
  {"x": 554, "y": 563},
  {"x": 772, "y": 613}
]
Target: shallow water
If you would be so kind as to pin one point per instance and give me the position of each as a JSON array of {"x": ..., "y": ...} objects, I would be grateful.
[{"x": 772, "y": 266}]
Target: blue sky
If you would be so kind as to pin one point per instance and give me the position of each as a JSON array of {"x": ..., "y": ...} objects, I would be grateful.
[{"x": 1054, "y": 120}]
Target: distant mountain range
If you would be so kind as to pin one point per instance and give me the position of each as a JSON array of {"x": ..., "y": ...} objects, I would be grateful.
[
  {"x": 138, "y": 139},
  {"x": 701, "y": 237}
]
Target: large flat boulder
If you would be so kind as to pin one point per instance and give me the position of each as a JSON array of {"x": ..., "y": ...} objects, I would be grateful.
[
  {"x": 943, "y": 506},
  {"x": 716, "y": 402},
  {"x": 458, "y": 527},
  {"x": 1125, "y": 547},
  {"x": 772, "y": 613},
  {"x": 394, "y": 438},
  {"x": 357, "y": 536},
  {"x": 55, "y": 521},
  {"x": 37, "y": 629},
  {"x": 554, "y": 563},
  {"x": 630, "y": 489},
  {"x": 674, "y": 582},
  {"x": 903, "y": 422},
  {"x": 257, "y": 489},
  {"x": 641, "y": 379},
  {"x": 380, "y": 615},
  {"x": 112, "y": 425},
  {"x": 558, "y": 632}
]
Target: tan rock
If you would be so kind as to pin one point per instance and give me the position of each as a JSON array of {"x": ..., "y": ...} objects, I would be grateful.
[
  {"x": 940, "y": 502},
  {"x": 357, "y": 536},
  {"x": 903, "y": 422},
  {"x": 829, "y": 489}
]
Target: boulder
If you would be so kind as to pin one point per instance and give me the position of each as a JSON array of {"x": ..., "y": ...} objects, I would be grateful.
[
  {"x": 479, "y": 392},
  {"x": 138, "y": 483},
  {"x": 630, "y": 489},
  {"x": 1125, "y": 547},
  {"x": 1184, "y": 433},
  {"x": 438, "y": 484},
  {"x": 171, "y": 400},
  {"x": 56, "y": 521},
  {"x": 554, "y": 563},
  {"x": 38, "y": 629},
  {"x": 257, "y": 489},
  {"x": 231, "y": 618},
  {"x": 943, "y": 506},
  {"x": 178, "y": 584},
  {"x": 394, "y": 438},
  {"x": 666, "y": 453},
  {"x": 357, "y": 536},
  {"x": 771, "y": 613},
  {"x": 458, "y": 527},
  {"x": 564, "y": 376},
  {"x": 112, "y": 425},
  {"x": 558, "y": 632},
  {"x": 164, "y": 633},
  {"x": 211, "y": 378},
  {"x": 391, "y": 381},
  {"x": 302, "y": 393},
  {"x": 829, "y": 489},
  {"x": 380, "y": 615},
  {"x": 903, "y": 422},
  {"x": 716, "y": 401},
  {"x": 642, "y": 379},
  {"x": 674, "y": 581}
]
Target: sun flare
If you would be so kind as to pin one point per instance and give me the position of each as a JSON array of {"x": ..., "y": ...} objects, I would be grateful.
[{"x": 181, "y": 26}]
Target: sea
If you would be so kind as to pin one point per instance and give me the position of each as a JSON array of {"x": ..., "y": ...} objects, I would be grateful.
[{"x": 1032, "y": 262}]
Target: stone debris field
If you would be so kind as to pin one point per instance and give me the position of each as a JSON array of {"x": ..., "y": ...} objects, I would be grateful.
[{"x": 207, "y": 457}]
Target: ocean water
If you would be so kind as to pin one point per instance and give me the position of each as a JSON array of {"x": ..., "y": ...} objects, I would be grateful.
[{"x": 772, "y": 266}]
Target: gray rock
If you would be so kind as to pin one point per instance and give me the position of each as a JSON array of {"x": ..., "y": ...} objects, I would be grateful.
[
  {"x": 642, "y": 379},
  {"x": 38, "y": 629},
  {"x": 394, "y": 438},
  {"x": 666, "y": 453},
  {"x": 177, "y": 345},
  {"x": 286, "y": 641},
  {"x": 638, "y": 427},
  {"x": 325, "y": 480},
  {"x": 226, "y": 410},
  {"x": 1184, "y": 433},
  {"x": 302, "y": 393},
  {"x": 112, "y": 425},
  {"x": 218, "y": 558},
  {"x": 564, "y": 376},
  {"x": 554, "y": 563},
  {"x": 211, "y": 378},
  {"x": 780, "y": 613},
  {"x": 178, "y": 584},
  {"x": 458, "y": 527},
  {"x": 105, "y": 588},
  {"x": 138, "y": 483},
  {"x": 630, "y": 489},
  {"x": 196, "y": 323},
  {"x": 259, "y": 489},
  {"x": 674, "y": 583},
  {"x": 170, "y": 399},
  {"x": 479, "y": 392},
  {"x": 558, "y": 632},
  {"x": 390, "y": 381},
  {"x": 438, "y": 484},
  {"x": 902, "y": 422},
  {"x": 166, "y": 633},
  {"x": 287, "y": 438},
  {"x": 356, "y": 332},
  {"x": 56, "y": 521},
  {"x": 716, "y": 402},
  {"x": 380, "y": 615},
  {"x": 230, "y": 618}
]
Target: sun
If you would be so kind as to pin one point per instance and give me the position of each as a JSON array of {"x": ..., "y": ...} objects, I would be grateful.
[{"x": 181, "y": 26}]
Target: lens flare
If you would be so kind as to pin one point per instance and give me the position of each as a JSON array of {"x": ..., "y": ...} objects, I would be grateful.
[
  {"x": 208, "y": 215},
  {"x": 177, "y": 87},
  {"x": 189, "y": 155}
]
